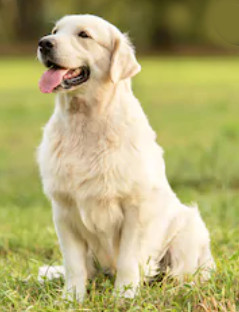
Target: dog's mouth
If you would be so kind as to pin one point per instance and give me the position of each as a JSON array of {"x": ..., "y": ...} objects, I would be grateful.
[{"x": 57, "y": 77}]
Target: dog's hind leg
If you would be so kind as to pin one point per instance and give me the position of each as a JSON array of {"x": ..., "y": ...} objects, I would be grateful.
[
  {"x": 206, "y": 263},
  {"x": 190, "y": 249}
]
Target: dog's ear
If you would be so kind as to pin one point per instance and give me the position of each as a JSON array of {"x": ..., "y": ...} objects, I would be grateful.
[{"x": 123, "y": 61}]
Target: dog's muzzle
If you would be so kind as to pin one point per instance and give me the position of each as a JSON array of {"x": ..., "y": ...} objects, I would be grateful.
[{"x": 58, "y": 77}]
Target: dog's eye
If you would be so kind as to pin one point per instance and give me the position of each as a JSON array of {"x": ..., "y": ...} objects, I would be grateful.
[
  {"x": 54, "y": 31},
  {"x": 83, "y": 34}
]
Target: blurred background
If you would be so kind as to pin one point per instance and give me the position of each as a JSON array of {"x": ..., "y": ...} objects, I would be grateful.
[
  {"x": 175, "y": 26},
  {"x": 189, "y": 89}
]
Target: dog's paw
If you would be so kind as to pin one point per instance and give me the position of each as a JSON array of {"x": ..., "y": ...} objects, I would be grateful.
[
  {"x": 73, "y": 294},
  {"x": 128, "y": 292}
]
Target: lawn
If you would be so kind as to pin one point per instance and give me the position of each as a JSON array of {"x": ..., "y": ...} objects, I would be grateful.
[{"x": 193, "y": 105}]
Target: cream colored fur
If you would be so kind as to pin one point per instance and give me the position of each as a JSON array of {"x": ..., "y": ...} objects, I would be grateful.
[{"x": 104, "y": 172}]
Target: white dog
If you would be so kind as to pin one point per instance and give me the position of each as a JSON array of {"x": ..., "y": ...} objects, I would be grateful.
[{"x": 102, "y": 168}]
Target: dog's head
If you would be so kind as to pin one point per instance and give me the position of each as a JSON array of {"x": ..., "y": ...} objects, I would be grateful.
[{"x": 83, "y": 48}]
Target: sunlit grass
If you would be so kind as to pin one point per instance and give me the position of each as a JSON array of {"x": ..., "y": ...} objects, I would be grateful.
[{"x": 193, "y": 105}]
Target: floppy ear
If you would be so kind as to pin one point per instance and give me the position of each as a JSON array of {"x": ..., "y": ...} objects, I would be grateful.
[{"x": 123, "y": 61}]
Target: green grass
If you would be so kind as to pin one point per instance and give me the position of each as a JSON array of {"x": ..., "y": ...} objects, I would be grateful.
[{"x": 193, "y": 104}]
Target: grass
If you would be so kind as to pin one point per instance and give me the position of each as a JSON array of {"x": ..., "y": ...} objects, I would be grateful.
[{"x": 193, "y": 104}]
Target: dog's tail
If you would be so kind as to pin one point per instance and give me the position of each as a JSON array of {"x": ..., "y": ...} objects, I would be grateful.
[{"x": 48, "y": 272}]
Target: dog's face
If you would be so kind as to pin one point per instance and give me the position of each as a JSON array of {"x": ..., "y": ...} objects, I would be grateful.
[{"x": 83, "y": 49}]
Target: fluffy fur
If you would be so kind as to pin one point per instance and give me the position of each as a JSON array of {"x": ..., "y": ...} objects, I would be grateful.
[{"x": 104, "y": 172}]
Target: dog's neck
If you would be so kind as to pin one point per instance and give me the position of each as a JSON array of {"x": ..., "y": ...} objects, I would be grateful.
[
  {"x": 111, "y": 108},
  {"x": 94, "y": 100}
]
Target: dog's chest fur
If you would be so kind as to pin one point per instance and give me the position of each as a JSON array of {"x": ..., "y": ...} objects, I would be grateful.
[
  {"x": 84, "y": 171},
  {"x": 94, "y": 168},
  {"x": 86, "y": 159}
]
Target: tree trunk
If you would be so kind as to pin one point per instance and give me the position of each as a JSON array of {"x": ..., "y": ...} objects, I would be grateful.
[{"x": 29, "y": 19}]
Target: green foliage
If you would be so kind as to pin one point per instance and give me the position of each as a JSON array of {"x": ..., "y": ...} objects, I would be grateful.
[
  {"x": 152, "y": 24},
  {"x": 193, "y": 106}
]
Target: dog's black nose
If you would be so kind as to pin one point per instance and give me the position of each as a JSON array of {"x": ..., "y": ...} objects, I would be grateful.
[{"x": 46, "y": 45}]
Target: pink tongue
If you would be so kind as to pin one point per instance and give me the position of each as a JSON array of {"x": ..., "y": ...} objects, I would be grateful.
[{"x": 51, "y": 79}]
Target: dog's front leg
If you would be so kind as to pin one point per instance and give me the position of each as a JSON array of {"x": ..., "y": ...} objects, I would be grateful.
[
  {"x": 74, "y": 251},
  {"x": 128, "y": 267}
]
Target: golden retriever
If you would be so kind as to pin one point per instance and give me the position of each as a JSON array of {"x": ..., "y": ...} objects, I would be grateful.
[{"x": 102, "y": 169}]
